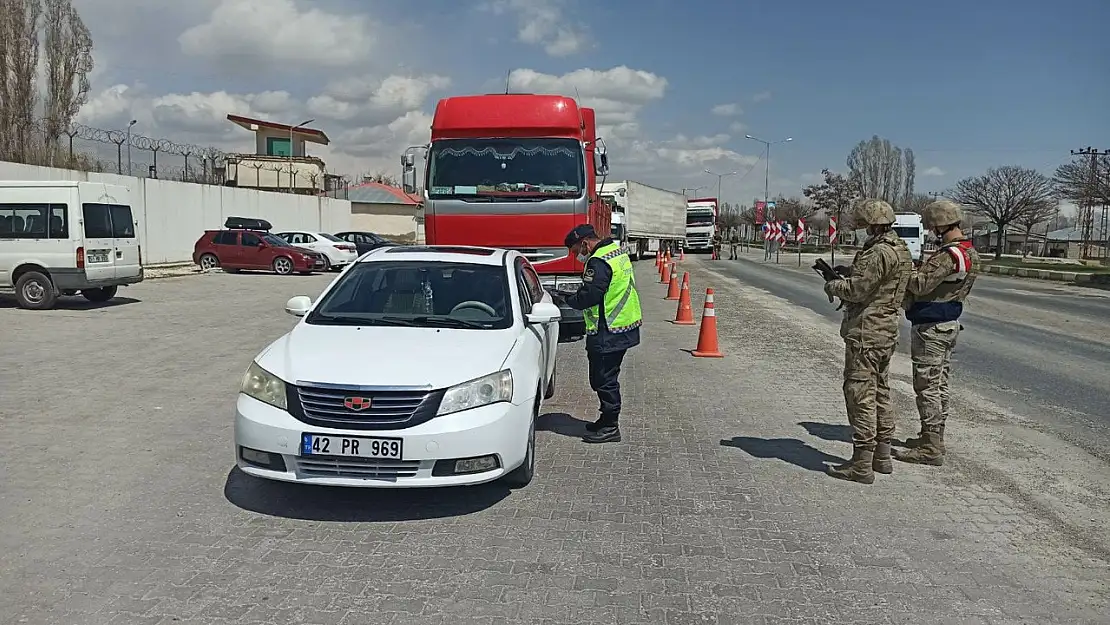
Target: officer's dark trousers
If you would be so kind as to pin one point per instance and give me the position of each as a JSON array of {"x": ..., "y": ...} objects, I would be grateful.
[{"x": 605, "y": 370}]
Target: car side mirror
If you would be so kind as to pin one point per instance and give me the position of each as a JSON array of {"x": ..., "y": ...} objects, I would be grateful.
[
  {"x": 298, "y": 306},
  {"x": 261, "y": 244},
  {"x": 544, "y": 312}
]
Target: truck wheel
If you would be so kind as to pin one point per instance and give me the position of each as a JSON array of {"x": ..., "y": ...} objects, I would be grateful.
[
  {"x": 101, "y": 294},
  {"x": 35, "y": 291}
]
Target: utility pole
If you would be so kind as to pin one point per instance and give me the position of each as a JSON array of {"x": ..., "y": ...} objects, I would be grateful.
[{"x": 1087, "y": 206}]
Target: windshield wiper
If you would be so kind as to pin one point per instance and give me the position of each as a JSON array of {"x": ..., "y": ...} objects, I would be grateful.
[
  {"x": 362, "y": 321},
  {"x": 451, "y": 322}
]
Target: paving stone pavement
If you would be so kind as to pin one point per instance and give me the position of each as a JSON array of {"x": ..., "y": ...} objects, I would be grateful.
[{"x": 118, "y": 503}]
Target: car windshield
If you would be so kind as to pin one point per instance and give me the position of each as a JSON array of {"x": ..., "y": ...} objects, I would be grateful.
[
  {"x": 418, "y": 293},
  {"x": 543, "y": 167},
  {"x": 275, "y": 240},
  {"x": 331, "y": 238}
]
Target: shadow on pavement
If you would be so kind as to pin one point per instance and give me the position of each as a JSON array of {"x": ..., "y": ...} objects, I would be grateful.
[
  {"x": 367, "y": 505},
  {"x": 74, "y": 303},
  {"x": 789, "y": 450},
  {"x": 827, "y": 431},
  {"x": 561, "y": 423}
]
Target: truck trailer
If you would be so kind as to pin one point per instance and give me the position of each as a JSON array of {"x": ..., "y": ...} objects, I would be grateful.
[{"x": 644, "y": 218}]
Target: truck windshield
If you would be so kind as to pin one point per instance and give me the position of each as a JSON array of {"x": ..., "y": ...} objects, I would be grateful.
[
  {"x": 511, "y": 167},
  {"x": 694, "y": 219}
]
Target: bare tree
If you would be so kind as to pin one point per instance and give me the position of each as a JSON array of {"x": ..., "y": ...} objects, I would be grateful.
[
  {"x": 834, "y": 197},
  {"x": 879, "y": 169},
  {"x": 1073, "y": 181},
  {"x": 910, "y": 175},
  {"x": 68, "y": 63},
  {"x": 917, "y": 202},
  {"x": 21, "y": 30},
  {"x": 1005, "y": 195},
  {"x": 791, "y": 209},
  {"x": 1038, "y": 214}
]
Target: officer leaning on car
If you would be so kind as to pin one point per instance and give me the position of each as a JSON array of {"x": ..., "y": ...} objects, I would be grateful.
[{"x": 611, "y": 308}]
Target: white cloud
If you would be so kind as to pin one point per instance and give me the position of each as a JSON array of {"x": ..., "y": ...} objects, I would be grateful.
[
  {"x": 278, "y": 33},
  {"x": 737, "y": 127},
  {"x": 543, "y": 23},
  {"x": 762, "y": 96},
  {"x": 933, "y": 171},
  {"x": 727, "y": 110}
]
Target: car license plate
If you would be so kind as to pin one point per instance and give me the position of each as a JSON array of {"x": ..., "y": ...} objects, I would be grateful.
[
  {"x": 328, "y": 445},
  {"x": 96, "y": 256}
]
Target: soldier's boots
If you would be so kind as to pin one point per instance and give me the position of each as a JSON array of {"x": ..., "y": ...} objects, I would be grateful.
[
  {"x": 918, "y": 440},
  {"x": 882, "y": 462},
  {"x": 930, "y": 451},
  {"x": 858, "y": 469}
]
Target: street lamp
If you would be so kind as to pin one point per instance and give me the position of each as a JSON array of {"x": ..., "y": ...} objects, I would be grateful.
[
  {"x": 291, "y": 129},
  {"x": 694, "y": 189},
  {"x": 719, "y": 177},
  {"x": 767, "y": 165},
  {"x": 132, "y": 123}
]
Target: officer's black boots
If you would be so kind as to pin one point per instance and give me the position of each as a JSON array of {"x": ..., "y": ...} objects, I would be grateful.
[{"x": 605, "y": 434}]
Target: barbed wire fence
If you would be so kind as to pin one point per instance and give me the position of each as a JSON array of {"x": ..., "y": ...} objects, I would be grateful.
[{"x": 87, "y": 148}]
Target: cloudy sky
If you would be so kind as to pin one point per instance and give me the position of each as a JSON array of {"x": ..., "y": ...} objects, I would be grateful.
[{"x": 677, "y": 85}]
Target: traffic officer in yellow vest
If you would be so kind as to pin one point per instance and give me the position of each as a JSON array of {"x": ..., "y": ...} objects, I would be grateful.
[
  {"x": 611, "y": 307},
  {"x": 934, "y": 302}
]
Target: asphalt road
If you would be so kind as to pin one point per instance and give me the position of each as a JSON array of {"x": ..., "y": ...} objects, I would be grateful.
[{"x": 1038, "y": 348}]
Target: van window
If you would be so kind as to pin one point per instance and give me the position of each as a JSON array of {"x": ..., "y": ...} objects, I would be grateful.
[
  {"x": 33, "y": 221},
  {"x": 108, "y": 221},
  {"x": 907, "y": 232}
]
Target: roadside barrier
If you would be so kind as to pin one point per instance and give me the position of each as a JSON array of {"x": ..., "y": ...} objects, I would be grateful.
[
  {"x": 708, "y": 346},
  {"x": 672, "y": 286},
  {"x": 685, "y": 314}
]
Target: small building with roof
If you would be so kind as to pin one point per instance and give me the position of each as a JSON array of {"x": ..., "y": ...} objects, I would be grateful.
[
  {"x": 280, "y": 161},
  {"x": 384, "y": 210},
  {"x": 1068, "y": 242}
]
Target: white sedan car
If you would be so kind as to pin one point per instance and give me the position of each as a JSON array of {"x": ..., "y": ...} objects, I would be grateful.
[
  {"x": 416, "y": 367},
  {"x": 337, "y": 252}
]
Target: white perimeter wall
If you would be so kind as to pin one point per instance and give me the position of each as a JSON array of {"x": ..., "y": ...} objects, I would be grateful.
[{"x": 172, "y": 215}]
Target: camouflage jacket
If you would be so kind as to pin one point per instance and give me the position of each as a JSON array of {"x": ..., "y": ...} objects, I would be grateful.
[
  {"x": 938, "y": 288},
  {"x": 873, "y": 295}
]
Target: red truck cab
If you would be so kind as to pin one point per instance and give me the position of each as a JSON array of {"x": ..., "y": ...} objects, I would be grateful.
[{"x": 514, "y": 171}]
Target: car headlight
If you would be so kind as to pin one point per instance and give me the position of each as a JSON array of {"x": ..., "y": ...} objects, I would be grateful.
[
  {"x": 485, "y": 390},
  {"x": 264, "y": 386}
]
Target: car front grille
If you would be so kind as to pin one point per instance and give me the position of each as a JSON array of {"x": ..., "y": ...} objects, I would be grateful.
[
  {"x": 388, "y": 410},
  {"x": 356, "y": 468}
]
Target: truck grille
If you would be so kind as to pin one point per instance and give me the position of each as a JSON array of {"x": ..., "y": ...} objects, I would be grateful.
[{"x": 394, "y": 409}]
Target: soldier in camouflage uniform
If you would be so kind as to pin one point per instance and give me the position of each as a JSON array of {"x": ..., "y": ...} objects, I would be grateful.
[
  {"x": 934, "y": 301},
  {"x": 872, "y": 297}
]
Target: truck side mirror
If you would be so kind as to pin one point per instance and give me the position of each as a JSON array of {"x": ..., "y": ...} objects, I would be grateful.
[
  {"x": 408, "y": 180},
  {"x": 602, "y": 164}
]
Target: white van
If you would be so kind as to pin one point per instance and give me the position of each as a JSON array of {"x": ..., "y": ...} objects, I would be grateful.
[
  {"x": 60, "y": 237},
  {"x": 908, "y": 226}
]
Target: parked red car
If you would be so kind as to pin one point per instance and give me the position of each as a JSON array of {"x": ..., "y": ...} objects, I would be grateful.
[{"x": 247, "y": 244}]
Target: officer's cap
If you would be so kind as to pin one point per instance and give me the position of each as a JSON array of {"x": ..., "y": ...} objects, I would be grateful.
[{"x": 580, "y": 233}]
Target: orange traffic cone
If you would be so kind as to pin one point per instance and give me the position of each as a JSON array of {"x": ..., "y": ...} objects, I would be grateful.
[
  {"x": 659, "y": 261},
  {"x": 707, "y": 336},
  {"x": 665, "y": 277},
  {"x": 672, "y": 287},
  {"x": 667, "y": 257},
  {"x": 681, "y": 255},
  {"x": 685, "y": 316}
]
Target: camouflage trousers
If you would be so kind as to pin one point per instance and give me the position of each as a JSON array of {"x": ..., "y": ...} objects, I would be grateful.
[
  {"x": 931, "y": 351},
  {"x": 867, "y": 394}
]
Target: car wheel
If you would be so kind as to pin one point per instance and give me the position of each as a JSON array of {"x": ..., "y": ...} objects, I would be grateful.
[
  {"x": 34, "y": 291},
  {"x": 522, "y": 475},
  {"x": 283, "y": 265},
  {"x": 208, "y": 262},
  {"x": 101, "y": 294},
  {"x": 327, "y": 264},
  {"x": 551, "y": 383}
]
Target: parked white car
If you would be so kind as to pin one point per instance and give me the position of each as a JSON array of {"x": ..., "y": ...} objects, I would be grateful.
[
  {"x": 336, "y": 251},
  {"x": 417, "y": 367}
]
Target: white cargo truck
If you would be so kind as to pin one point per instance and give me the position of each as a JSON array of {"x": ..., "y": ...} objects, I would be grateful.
[
  {"x": 701, "y": 224},
  {"x": 645, "y": 218}
]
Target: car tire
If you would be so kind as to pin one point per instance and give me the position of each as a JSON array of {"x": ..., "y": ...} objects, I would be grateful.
[
  {"x": 550, "y": 392},
  {"x": 35, "y": 291},
  {"x": 99, "y": 295},
  {"x": 282, "y": 265},
  {"x": 208, "y": 262},
  {"x": 327, "y": 264},
  {"x": 522, "y": 475}
]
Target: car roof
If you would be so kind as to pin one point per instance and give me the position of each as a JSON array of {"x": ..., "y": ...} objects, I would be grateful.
[{"x": 443, "y": 253}]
